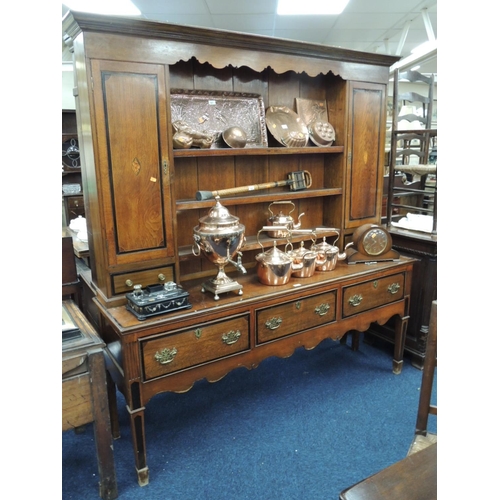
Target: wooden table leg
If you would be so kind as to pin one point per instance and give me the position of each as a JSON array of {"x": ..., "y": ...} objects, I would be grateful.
[
  {"x": 102, "y": 427},
  {"x": 139, "y": 443},
  {"x": 401, "y": 324},
  {"x": 354, "y": 339}
]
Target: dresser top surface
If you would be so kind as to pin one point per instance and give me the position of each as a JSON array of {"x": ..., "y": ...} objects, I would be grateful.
[{"x": 255, "y": 292}]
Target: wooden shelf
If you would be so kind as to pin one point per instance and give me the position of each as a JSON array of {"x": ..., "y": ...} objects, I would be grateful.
[
  {"x": 183, "y": 153},
  {"x": 182, "y": 205}
]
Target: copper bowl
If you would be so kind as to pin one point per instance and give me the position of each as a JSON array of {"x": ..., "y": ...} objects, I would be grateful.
[{"x": 235, "y": 137}]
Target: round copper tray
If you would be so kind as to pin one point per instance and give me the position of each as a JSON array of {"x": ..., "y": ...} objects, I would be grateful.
[{"x": 286, "y": 126}]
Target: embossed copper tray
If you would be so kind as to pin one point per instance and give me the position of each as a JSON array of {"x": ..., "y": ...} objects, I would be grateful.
[
  {"x": 311, "y": 110},
  {"x": 213, "y": 112}
]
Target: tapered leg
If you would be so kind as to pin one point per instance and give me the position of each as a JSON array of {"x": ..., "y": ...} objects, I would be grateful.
[
  {"x": 139, "y": 443},
  {"x": 401, "y": 324}
]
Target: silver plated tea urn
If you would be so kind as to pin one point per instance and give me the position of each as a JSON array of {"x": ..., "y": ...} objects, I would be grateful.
[{"x": 220, "y": 236}]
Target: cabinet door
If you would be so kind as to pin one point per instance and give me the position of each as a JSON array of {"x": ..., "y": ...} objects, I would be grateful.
[
  {"x": 132, "y": 164},
  {"x": 365, "y": 153}
]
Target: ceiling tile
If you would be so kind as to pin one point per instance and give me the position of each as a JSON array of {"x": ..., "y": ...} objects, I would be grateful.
[
  {"x": 361, "y": 21},
  {"x": 306, "y": 35},
  {"x": 202, "y": 20},
  {"x": 362, "y": 36},
  {"x": 171, "y": 7},
  {"x": 242, "y": 7},
  {"x": 305, "y": 22},
  {"x": 236, "y": 22},
  {"x": 387, "y": 6}
]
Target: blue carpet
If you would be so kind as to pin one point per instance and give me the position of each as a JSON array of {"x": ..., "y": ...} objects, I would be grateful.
[{"x": 303, "y": 428}]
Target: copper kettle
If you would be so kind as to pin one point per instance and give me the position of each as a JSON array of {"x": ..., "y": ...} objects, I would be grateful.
[
  {"x": 329, "y": 254},
  {"x": 275, "y": 267},
  {"x": 282, "y": 219}
]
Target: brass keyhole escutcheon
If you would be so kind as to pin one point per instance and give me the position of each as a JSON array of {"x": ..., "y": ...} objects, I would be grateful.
[
  {"x": 298, "y": 304},
  {"x": 375, "y": 284},
  {"x": 197, "y": 333}
]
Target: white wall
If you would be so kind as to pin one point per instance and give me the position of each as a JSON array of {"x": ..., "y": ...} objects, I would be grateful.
[{"x": 68, "y": 101}]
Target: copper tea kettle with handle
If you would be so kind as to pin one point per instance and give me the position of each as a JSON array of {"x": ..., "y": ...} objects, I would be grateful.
[
  {"x": 329, "y": 254},
  {"x": 309, "y": 259},
  {"x": 282, "y": 219},
  {"x": 275, "y": 267}
]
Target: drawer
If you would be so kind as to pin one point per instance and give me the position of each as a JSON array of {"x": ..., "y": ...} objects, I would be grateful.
[
  {"x": 125, "y": 282},
  {"x": 74, "y": 207},
  {"x": 375, "y": 293},
  {"x": 194, "y": 346},
  {"x": 295, "y": 316},
  {"x": 75, "y": 202}
]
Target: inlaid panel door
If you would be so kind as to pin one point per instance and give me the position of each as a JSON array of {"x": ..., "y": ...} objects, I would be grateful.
[
  {"x": 365, "y": 152},
  {"x": 131, "y": 117}
]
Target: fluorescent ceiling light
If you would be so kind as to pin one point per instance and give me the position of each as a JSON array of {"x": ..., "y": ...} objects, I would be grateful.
[
  {"x": 311, "y": 7},
  {"x": 419, "y": 54},
  {"x": 107, "y": 7},
  {"x": 424, "y": 47}
]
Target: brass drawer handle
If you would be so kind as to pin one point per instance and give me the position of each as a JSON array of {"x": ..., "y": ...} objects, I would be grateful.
[
  {"x": 231, "y": 337},
  {"x": 161, "y": 277},
  {"x": 165, "y": 356},
  {"x": 273, "y": 323},
  {"x": 393, "y": 288},
  {"x": 129, "y": 283},
  {"x": 322, "y": 309},
  {"x": 355, "y": 300}
]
